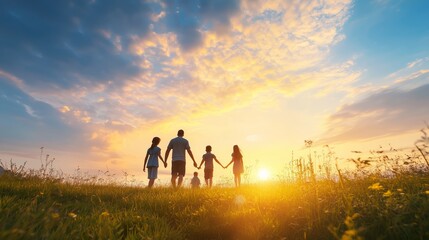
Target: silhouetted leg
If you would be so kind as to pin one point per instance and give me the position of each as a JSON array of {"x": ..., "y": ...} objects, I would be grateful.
[
  {"x": 173, "y": 180},
  {"x": 210, "y": 182},
  {"x": 207, "y": 182},
  {"x": 151, "y": 182},
  {"x": 179, "y": 182},
  {"x": 239, "y": 179},
  {"x": 235, "y": 180}
]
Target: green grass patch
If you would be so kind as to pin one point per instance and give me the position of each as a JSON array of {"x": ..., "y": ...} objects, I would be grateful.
[{"x": 370, "y": 208}]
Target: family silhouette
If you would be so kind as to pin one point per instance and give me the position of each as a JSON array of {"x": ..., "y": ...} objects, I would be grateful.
[{"x": 180, "y": 146}]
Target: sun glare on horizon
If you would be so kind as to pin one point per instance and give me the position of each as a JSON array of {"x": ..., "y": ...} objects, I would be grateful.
[{"x": 264, "y": 174}]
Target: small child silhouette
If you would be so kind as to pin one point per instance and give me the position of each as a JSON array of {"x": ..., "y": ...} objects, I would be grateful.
[{"x": 195, "y": 181}]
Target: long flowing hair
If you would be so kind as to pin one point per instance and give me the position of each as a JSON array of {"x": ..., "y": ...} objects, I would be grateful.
[
  {"x": 155, "y": 142},
  {"x": 236, "y": 152}
]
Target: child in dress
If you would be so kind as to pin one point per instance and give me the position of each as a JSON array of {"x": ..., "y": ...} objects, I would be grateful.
[
  {"x": 237, "y": 168},
  {"x": 195, "y": 181},
  {"x": 151, "y": 159},
  {"x": 208, "y": 167}
]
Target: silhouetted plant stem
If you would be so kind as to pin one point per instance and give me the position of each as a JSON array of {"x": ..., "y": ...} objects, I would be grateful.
[{"x": 423, "y": 155}]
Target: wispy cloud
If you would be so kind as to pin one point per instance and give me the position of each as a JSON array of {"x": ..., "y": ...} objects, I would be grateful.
[
  {"x": 108, "y": 68},
  {"x": 389, "y": 112},
  {"x": 396, "y": 105}
]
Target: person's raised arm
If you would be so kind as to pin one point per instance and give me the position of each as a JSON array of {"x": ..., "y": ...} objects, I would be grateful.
[
  {"x": 145, "y": 161},
  {"x": 192, "y": 156}
]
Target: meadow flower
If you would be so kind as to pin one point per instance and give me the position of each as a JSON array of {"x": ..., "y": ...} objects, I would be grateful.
[
  {"x": 376, "y": 187},
  {"x": 55, "y": 215},
  {"x": 104, "y": 214},
  {"x": 399, "y": 190},
  {"x": 349, "y": 221},
  {"x": 351, "y": 232},
  {"x": 387, "y": 194},
  {"x": 427, "y": 192},
  {"x": 72, "y": 215}
]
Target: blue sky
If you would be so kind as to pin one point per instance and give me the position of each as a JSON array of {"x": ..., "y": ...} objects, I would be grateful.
[
  {"x": 94, "y": 81},
  {"x": 388, "y": 33}
]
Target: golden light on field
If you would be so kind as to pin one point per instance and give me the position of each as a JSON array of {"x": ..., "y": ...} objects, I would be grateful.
[{"x": 264, "y": 174}]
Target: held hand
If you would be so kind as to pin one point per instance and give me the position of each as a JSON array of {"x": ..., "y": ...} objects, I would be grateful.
[
  {"x": 165, "y": 164},
  {"x": 144, "y": 169},
  {"x": 195, "y": 165}
]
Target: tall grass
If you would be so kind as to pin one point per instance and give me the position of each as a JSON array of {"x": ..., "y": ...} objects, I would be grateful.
[
  {"x": 385, "y": 197},
  {"x": 394, "y": 208}
]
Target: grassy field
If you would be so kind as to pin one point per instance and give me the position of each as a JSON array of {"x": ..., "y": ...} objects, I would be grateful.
[
  {"x": 386, "y": 196},
  {"x": 371, "y": 207}
]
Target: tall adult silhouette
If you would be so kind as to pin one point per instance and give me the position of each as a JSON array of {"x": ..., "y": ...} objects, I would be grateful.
[{"x": 180, "y": 146}]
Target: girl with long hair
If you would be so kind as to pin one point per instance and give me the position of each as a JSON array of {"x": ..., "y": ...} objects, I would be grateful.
[
  {"x": 237, "y": 168},
  {"x": 151, "y": 159}
]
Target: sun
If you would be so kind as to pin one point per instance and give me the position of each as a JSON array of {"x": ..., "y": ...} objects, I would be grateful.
[{"x": 263, "y": 174}]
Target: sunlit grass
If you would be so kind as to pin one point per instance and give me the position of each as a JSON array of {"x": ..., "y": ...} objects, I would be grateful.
[
  {"x": 372, "y": 207},
  {"x": 361, "y": 204}
]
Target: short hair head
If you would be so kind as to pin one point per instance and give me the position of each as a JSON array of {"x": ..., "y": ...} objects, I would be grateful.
[
  {"x": 208, "y": 148},
  {"x": 195, "y": 173},
  {"x": 180, "y": 133}
]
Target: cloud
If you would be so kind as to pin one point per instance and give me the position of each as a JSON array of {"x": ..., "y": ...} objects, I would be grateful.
[
  {"x": 108, "y": 67},
  {"x": 188, "y": 19},
  {"x": 398, "y": 104},
  {"x": 272, "y": 45},
  {"x": 278, "y": 47},
  {"x": 129, "y": 62},
  {"x": 30, "y": 123},
  {"x": 389, "y": 112},
  {"x": 27, "y": 121},
  {"x": 63, "y": 44}
]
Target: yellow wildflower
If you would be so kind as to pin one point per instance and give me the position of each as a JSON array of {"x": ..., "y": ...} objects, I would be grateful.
[
  {"x": 55, "y": 215},
  {"x": 376, "y": 186},
  {"x": 349, "y": 222},
  {"x": 72, "y": 215},
  {"x": 105, "y": 214},
  {"x": 427, "y": 192},
  {"x": 351, "y": 232},
  {"x": 399, "y": 190},
  {"x": 387, "y": 194}
]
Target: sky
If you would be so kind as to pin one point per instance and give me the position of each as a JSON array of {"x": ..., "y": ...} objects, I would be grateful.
[{"x": 92, "y": 82}]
